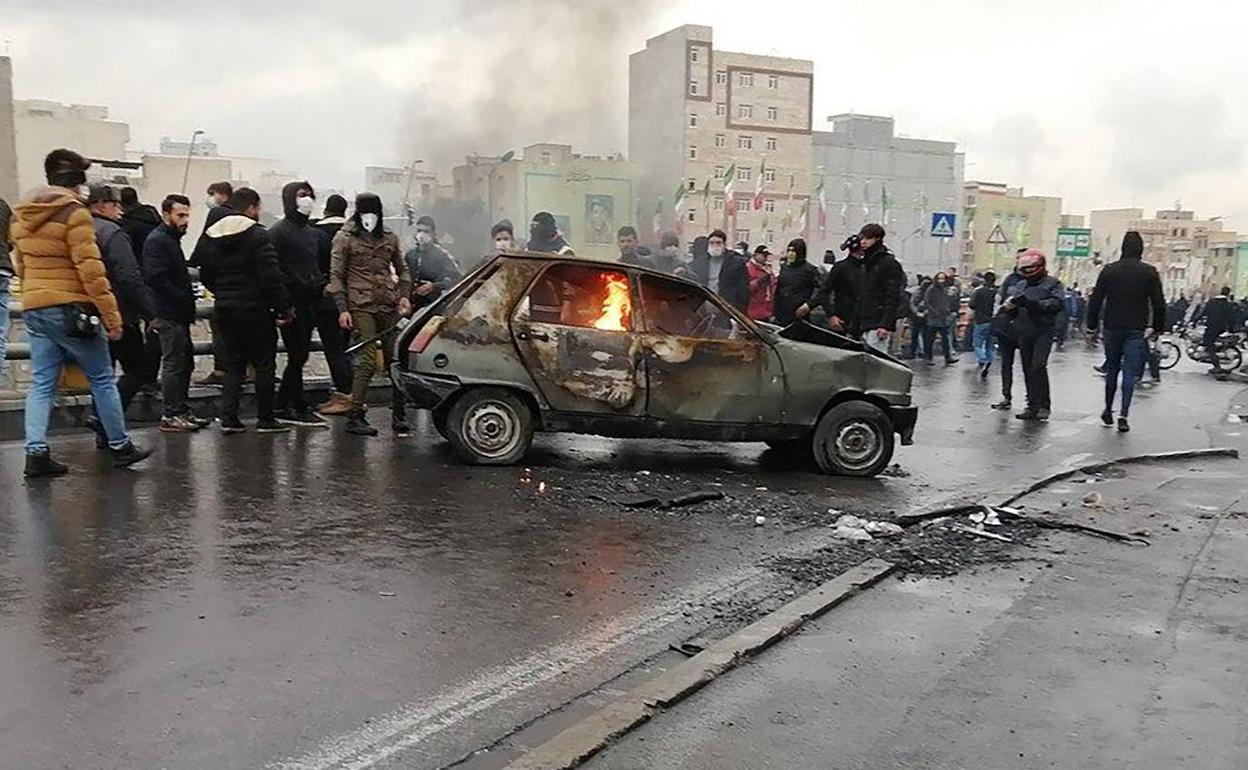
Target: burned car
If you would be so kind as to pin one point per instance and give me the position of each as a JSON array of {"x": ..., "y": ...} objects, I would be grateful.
[{"x": 541, "y": 342}]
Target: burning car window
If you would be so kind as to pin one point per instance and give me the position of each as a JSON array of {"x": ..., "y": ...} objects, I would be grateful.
[
  {"x": 577, "y": 295},
  {"x": 677, "y": 308}
]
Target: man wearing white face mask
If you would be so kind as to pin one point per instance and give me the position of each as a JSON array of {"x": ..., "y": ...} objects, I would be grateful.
[
  {"x": 504, "y": 236},
  {"x": 433, "y": 269},
  {"x": 298, "y": 248}
]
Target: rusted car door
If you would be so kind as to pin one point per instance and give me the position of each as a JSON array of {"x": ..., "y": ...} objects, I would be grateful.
[
  {"x": 574, "y": 329},
  {"x": 702, "y": 364}
]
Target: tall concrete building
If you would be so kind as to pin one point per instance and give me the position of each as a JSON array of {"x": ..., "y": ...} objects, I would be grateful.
[
  {"x": 999, "y": 220},
  {"x": 1193, "y": 255},
  {"x": 9, "y": 189},
  {"x": 697, "y": 113},
  {"x": 869, "y": 174},
  {"x": 42, "y": 126}
]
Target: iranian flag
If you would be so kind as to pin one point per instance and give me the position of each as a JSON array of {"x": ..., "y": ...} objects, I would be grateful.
[
  {"x": 758, "y": 185},
  {"x": 678, "y": 203},
  {"x": 656, "y": 224},
  {"x": 804, "y": 218},
  {"x": 823, "y": 210},
  {"x": 730, "y": 182},
  {"x": 787, "y": 223}
]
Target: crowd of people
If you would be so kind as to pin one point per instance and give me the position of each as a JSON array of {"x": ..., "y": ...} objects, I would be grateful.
[{"x": 106, "y": 284}]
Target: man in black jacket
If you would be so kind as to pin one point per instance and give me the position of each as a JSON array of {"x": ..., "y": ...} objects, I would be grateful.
[
  {"x": 333, "y": 340},
  {"x": 797, "y": 285},
  {"x": 6, "y": 277},
  {"x": 166, "y": 274},
  {"x": 298, "y": 247},
  {"x": 218, "y": 202},
  {"x": 983, "y": 305},
  {"x": 433, "y": 268},
  {"x": 864, "y": 295},
  {"x": 239, "y": 266},
  {"x": 1219, "y": 316},
  {"x": 134, "y": 299},
  {"x": 1031, "y": 305},
  {"x": 1134, "y": 304},
  {"x": 722, "y": 271},
  {"x": 138, "y": 220}
]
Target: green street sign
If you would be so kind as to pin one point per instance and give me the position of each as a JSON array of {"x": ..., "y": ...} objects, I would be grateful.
[{"x": 1074, "y": 242}]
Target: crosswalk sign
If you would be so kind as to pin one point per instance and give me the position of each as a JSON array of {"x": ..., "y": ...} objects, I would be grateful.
[
  {"x": 942, "y": 224},
  {"x": 997, "y": 236}
]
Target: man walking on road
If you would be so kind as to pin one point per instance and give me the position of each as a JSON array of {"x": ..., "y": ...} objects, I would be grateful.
[
  {"x": 239, "y": 266},
  {"x": 1134, "y": 304},
  {"x": 69, "y": 309},
  {"x": 983, "y": 301},
  {"x": 370, "y": 282},
  {"x": 1007, "y": 342},
  {"x": 333, "y": 338},
  {"x": 298, "y": 250},
  {"x": 218, "y": 203},
  {"x": 166, "y": 274}
]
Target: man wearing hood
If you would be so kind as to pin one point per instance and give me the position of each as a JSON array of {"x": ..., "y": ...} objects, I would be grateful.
[
  {"x": 797, "y": 286},
  {"x": 239, "y": 266},
  {"x": 138, "y": 220},
  {"x": 333, "y": 340},
  {"x": 69, "y": 309},
  {"x": 432, "y": 267},
  {"x": 134, "y": 299},
  {"x": 723, "y": 271},
  {"x": 298, "y": 247},
  {"x": 1130, "y": 294},
  {"x": 1032, "y": 304},
  {"x": 370, "y": 282},
  {"x": 866, "y": 292},
  {"x": 544, "y": 235}
]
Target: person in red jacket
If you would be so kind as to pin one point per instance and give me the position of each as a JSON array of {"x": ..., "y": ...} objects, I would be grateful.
[{"x": 762, "y": 285}]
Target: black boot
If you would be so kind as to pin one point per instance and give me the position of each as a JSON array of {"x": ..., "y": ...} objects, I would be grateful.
[
  {"x": 358, "y": 425},
  {"x": 41, "y": 465},
  {"x": 398, "y": 414},
  {"x": 129, "y": 455}
]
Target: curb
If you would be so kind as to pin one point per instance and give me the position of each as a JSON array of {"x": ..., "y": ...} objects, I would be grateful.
[
  {"x": 590, "y": 735},
  {"x": 1180, "y": 454}
]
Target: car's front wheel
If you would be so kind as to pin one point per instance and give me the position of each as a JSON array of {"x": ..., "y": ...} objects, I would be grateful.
[
  {"x": 854, "y": 439},
  {"x": 490, "y": 426}
]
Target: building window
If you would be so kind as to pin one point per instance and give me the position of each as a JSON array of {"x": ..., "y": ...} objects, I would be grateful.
[
  {"x": 721, "y": 140},
  {"x": 745, "y": 79},
  {"x": 769, "y": 175},
  {"x": 693, "y": 54},
  {"x": 721, "y": 109},
  {"x": 743, "y": 236},
  {"x": 719, "y": 172},
  {"x": 719, "y": 204},
  {"x": 745, "y": 173},
  {"x": 745, "y": 111},
  {"x": 546, "y": 157},
  {"x": 769, "y": 205},
  {"x": 691, "y": 185},
  {"x": 693, "y": 120},
  {"x": 773, "y": 113},
  {"x": 771, "y": 144},
  {"x": 745, "y": 142},
  {"x": 691, "y": 214},
  {"x": 693, "y": 88},
  {"x": 721, "y": 78},
  {"x": 771, "y": 236},
  {"x": 693, "y": 152},
  {"x": 773, "y": 81}
]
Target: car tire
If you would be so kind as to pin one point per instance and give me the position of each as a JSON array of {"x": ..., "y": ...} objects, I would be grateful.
[
  {"x": 490, "y": 426},
  {"x": 854, "y": 439}
]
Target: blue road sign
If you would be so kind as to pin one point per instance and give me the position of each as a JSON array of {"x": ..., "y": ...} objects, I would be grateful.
[{"x": 943, "y": 223}]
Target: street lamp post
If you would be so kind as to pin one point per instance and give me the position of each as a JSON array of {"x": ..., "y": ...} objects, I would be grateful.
[{"x": 190, "y": 150}]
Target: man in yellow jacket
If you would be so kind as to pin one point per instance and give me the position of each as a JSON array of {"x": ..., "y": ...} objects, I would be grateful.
[{"x": 68, "y": 308}]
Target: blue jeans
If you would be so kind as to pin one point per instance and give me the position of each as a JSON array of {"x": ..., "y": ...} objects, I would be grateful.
[
  {"x": 4, "y": 319},
  {"x": 981, "y": 342},
  {"x": 1126, "y": 351},
  {"x": 50, "y": 349}
]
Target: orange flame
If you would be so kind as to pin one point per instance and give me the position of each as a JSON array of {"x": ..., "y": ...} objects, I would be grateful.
[{"x": 616, "y": 306}]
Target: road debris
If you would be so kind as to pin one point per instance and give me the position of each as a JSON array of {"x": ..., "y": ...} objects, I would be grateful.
[
  {"x": 862, "y": 530},
  {"x": 1093, "y": 500},
  {"x": 760, "y": 521},
  {"x": 980, "y": 533}
]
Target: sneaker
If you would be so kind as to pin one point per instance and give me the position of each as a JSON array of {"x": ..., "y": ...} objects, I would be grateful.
[
  {"x": 129, "y": 455},
  {"x": 1099, "y": 368},
  {"x": 400, "y": 427},
  {"x": 951, "y": 360},
  {"x": 1003, "y": 405},
  {"x": 305, "y": 418},
  {"x": 358, "y": 425},
  {"x": 231, "y": 426},
  {"x": 202, "y": 422},
  {"x": 40, "y": 465},
  {"x": 1027, "y": 414},
  {"x": 177, "y": 424},
  {"x": 271, "y": 426},
  {"x": 1123, "y": 425},
  {"x": 211, "y": 380},
  {"x": 1042, "y": 414},
  {"x": 338, "y": 404},
  {"x": 1107, "y": 418}
]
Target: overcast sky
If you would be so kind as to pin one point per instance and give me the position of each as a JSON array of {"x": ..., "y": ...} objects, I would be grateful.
[{"x": 1107, "y": 103}]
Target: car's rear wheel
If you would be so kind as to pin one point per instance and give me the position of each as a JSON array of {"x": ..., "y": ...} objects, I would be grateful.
[
  {"x": 490, "y": 426},
  {"x": 854, "y": 439}
]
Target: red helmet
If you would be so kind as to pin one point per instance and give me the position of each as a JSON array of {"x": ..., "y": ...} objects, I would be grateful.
[{"x": 1032, "y": 263}]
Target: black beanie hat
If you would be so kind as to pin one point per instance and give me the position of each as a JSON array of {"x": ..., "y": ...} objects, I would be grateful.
[
  {"x": 1132, "y": 245},
  {"x": 427, "y": 221},
  {"x": 335, "y": 206},
  {"x": 368, "y": 203}
]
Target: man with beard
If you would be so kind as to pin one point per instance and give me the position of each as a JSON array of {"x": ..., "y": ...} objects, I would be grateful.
[
  {"x": 866, "y": 292},
  {"x": 627, "y": 241},
  {"x": 370, "y": 282},
  {"x": 298, "y": 247},
  {"x": 544, "y": 235},
  {"x": 333, "y": 339}
]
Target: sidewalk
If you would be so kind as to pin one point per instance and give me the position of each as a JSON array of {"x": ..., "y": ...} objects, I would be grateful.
[{"x": 1084, "y": 654}]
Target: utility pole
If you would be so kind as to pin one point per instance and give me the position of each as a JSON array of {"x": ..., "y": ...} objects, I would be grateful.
[{"x": 190, "y": 150}]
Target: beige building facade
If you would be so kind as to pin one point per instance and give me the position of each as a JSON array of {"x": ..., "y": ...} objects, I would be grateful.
[
  {"x": 1194, "y": 256},
  {"x": 998, "y": 220},
  {"x": 41, "y": 126},
  {"x": 710, "y": 128}
]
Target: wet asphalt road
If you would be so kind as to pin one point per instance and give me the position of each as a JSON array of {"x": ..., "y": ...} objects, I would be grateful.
[{"x": 317, "y": 600}]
